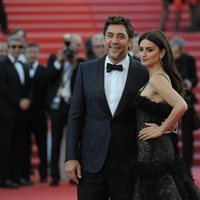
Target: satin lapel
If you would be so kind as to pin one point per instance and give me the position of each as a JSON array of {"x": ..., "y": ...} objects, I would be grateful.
[
  {"x": 13, "y": 70},
  {"x": 100, "y": 92},
  {"x": 26, "y": 73},
  {"x": 37, "y": 71},
  {"x": 128, "y": 85}
]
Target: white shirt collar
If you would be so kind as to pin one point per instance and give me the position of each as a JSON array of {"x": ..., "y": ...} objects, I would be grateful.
[
  {"x": 125, "y": 62},
  {"x": 11, "y": 58},
  {"x": 35, "y": 65}
]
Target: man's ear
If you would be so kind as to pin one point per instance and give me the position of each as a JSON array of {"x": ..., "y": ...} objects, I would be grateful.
[{"x": 130, "y": 43}]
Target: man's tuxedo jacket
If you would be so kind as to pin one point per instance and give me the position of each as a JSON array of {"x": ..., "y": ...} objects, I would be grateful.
[
  {"x": 92, "y": 131},
  {"x": 11, "y": 89}
]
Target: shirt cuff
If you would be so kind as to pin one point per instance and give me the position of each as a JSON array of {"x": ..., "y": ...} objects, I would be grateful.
[{"x": 57, "y": 65}]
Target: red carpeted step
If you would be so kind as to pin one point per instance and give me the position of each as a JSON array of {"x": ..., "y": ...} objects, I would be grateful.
[
  {"x": 196, "y": 146},
  {"x": 197, "y": 159},
  {"x": 47, "y": 21},
  {"x": 196, "y": 135},
  {"x": 196, "y": 156}
]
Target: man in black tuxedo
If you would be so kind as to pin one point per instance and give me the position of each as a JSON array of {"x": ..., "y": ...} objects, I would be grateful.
[
  {"x": 41, "y": 77},
  {"x": 187, "y": 68},
  {"x": 14, "y": 101},
  {"x": 101, "y": 132},
  {"x": 37, "y": 119}
]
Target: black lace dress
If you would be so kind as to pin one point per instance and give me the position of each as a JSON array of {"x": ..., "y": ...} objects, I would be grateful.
[{"x": 159, "y": 176}]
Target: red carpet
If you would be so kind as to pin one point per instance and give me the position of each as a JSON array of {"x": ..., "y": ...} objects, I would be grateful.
[
  {"x": 39, "y": 191},
  {"x": 63, "y": 192}
]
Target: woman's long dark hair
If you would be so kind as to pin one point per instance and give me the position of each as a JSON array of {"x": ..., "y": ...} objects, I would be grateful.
[{"x": 168, "y": 63}]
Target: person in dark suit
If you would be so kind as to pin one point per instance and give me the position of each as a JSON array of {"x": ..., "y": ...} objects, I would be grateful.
[
  {"x": 37, "y": 119},
  {"x": 41, "y": 77},
  {"x": 194, "y": 8},
  {"x": 58, "y": 102},
  {"x": 15, "y": 98},
  {"x": 101, "y": 131},
  {"x": 20, "y": 33},
  {"x": 187, "y": 68},
  {"x": 71, "y": 42},
  {"x": 67, "y": 60}
]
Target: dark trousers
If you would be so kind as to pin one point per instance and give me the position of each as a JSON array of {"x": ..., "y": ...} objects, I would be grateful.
[
  {"x": 58, "y": 121},
  {"x": 7, "y": 138},
  {"x": 11, "y": 132},
  {"x": 38, "y": 128},
  {"x": 100, "y": 186},
  {"x": 115, "y": 181},
  {"x": 194, "y": 17},
  {"x": 23, "y": 150}
]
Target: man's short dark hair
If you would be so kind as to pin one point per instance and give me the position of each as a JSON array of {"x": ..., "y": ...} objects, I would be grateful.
[
  {"x": 32, "y": 45},
  {"x": 119, "y": 20}
]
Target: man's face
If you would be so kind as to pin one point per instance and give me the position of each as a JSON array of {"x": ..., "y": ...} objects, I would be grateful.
[
  {"x": 32, "y": 54},
  {"x": 15, "y": 48},
  {"x": 98, "y": 49},
  {"x": 76, "y": 44},
  {"x": 117, "y": 43},
  {"x": 176, "y": 50},
  {"x": 135, "y": 47},
  {"x": 3, "y": 49}
]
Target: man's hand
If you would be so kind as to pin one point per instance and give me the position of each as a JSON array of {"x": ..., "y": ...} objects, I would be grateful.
[
  {"x": 24, "y": 104},
  {"x": 60, "y": 56},
  {"x": 73, "y": 170}
]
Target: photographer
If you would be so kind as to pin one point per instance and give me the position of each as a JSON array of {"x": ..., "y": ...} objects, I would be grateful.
[
  {"x": 73, "y": 42},
  {"x": 58, "y": 101}
]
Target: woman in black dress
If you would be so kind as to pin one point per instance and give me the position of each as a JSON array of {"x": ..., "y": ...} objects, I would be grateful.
[{"x": 160, "y": 103}]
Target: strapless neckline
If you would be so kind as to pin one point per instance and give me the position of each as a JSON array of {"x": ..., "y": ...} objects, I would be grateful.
[{"x": 151, "y": 101}]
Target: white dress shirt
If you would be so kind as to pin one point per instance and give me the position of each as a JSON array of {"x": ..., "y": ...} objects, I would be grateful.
[
  {"x": 114, "y": 83},
  {"x": 33, "y": 69},
  {"x": 64, "y": 90},
  {"x": 18, "y": 67}
]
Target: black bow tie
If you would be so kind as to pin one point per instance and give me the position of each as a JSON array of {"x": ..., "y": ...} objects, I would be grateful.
[{"x": 111, "y": 67}]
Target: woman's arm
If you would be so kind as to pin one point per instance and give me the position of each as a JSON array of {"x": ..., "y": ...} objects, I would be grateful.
[{"x": 164, "y": 89}]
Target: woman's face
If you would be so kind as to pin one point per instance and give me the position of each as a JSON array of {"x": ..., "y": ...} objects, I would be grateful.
[{"x": 150, "y": 53}]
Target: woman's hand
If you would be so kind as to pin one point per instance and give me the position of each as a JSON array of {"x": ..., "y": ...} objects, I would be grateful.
[{"x": 151, "y": 131}]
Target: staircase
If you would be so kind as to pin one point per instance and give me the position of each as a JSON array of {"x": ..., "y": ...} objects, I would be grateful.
[
  {"x": 197, "y": 147},
  {"x": 46, "y": 21}
]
